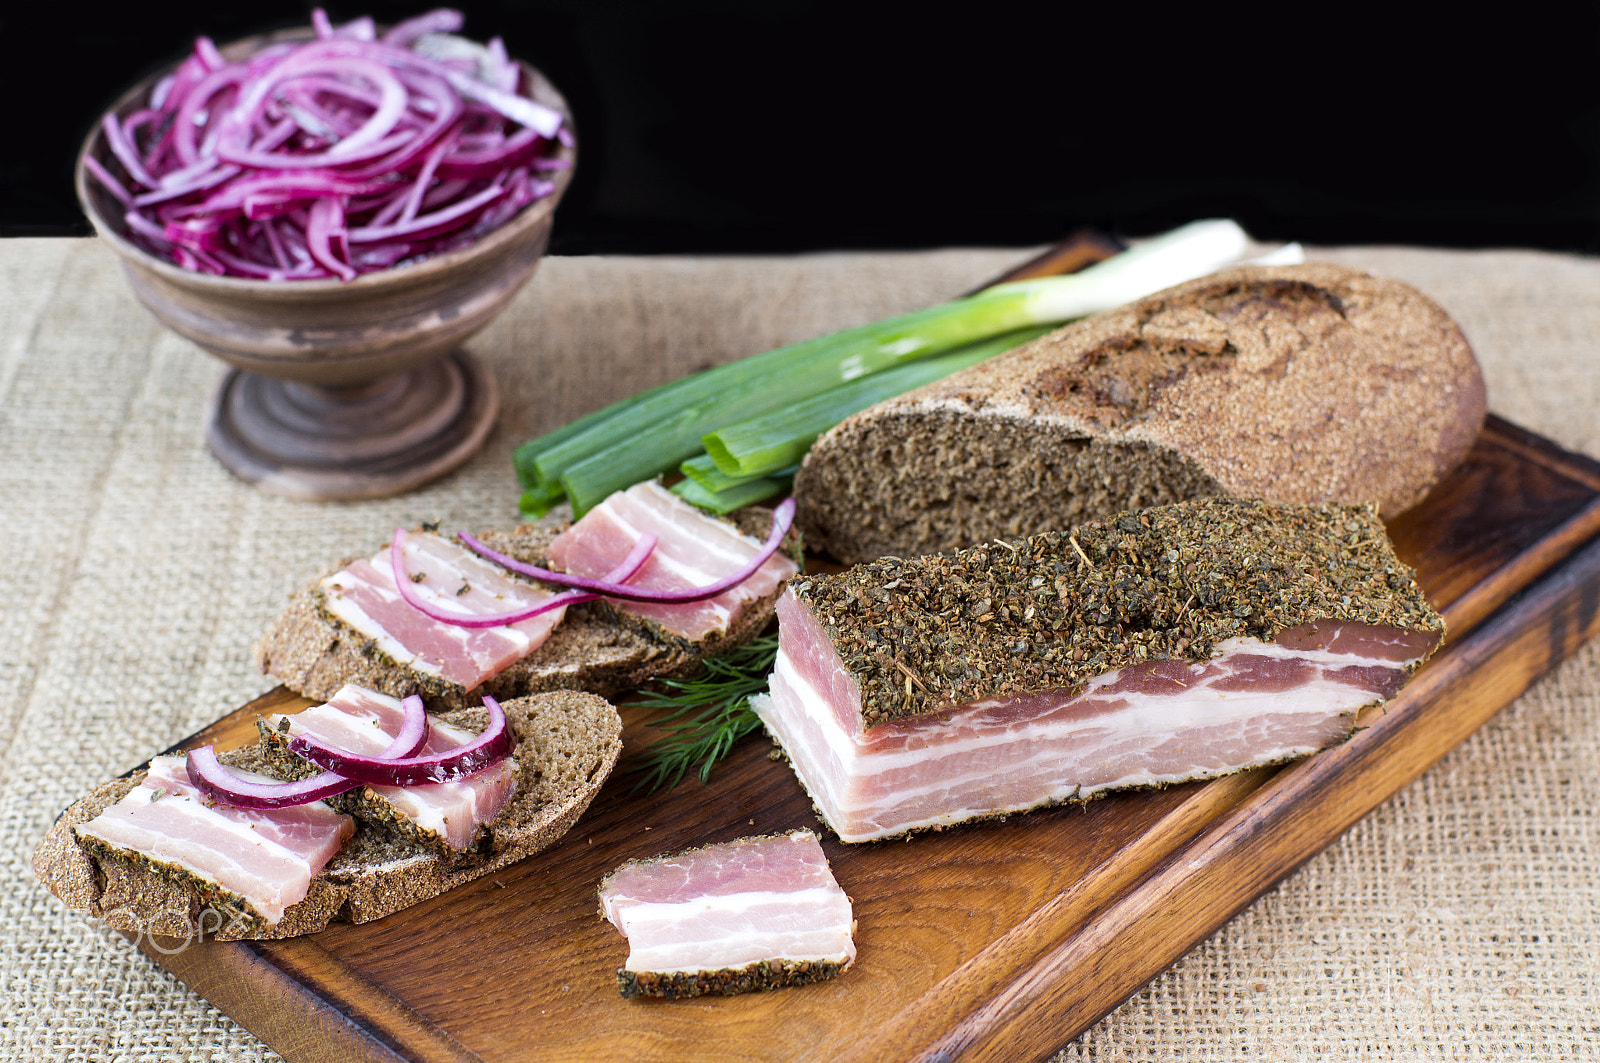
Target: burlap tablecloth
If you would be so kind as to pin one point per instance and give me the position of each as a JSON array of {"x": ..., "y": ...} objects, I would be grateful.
[{"x": 1459, "y": 921}]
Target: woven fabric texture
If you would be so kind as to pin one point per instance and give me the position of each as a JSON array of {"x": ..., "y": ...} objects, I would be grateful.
[{"x": 1459, "y": 921}]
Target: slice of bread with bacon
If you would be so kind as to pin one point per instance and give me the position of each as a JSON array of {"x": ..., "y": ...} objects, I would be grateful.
[
  {"x": 568, "y": 742},
  {"x": 595, "y": 648}
]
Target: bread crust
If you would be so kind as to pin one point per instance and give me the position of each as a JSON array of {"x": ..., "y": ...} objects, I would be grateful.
[
  {"x": 1308, "y": 383},
  {"x": 568, "y": 742}
]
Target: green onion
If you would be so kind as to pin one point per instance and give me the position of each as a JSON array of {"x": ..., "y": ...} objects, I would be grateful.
[
  {"x": 655, "y": 431},
  {"x": 761, "y": 446},
  {"x": 524, "y": 456},
  {"x": 736, "y": 495},
  {"x": 703, "y": 471},
  {"x": 666, "y": 427},
  {"x": 540, "y": 499}
]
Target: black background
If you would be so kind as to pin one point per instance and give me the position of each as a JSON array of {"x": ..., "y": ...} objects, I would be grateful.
[{"x": 790, "y": 125}]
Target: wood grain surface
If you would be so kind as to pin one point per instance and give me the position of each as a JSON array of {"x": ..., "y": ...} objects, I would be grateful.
[{"x": 985, "y": 941}]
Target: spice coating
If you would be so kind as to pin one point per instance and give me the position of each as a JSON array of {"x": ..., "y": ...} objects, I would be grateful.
[
  {"x": 924, "y": 635},
  {"x": 728, "y": 981}
]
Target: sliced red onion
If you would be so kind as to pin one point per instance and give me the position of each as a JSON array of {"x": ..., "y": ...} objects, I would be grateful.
[
  {"x": 428, "y": 224},
  {"x": 508, "y": 74},
  {"x": 196, "y": 259},
  {"x": 197, "y": 234},
  {"x": 519, "y": 109},
  {"x": 350, "y": 117},
  {"x": 492, "y": 746},
  {"x": 233, "y": 143},
  {"x": 216, "y": 175},
  {"x": 325, "y": 236},
  {"x": 196, "y": 100},
  {"x": 782, "y": 520},
  {"x": 112, "y": 185},
  {"x": 359, "y": 29},
  {"x": 122, "y": 147},
  {"x": 515, "y": 150},
  {"x": 441, "y": 20},
  {"x": 212, "y": 778},
  {"x": 291, "y": 184},
  {"x": 413, "y": 199},
  {"x": 629, "y": 567},
  {"x": 142, "y": 225}
]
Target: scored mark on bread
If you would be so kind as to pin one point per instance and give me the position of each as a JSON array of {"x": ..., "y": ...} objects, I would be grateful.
[{"x": 1254, "y": 326}]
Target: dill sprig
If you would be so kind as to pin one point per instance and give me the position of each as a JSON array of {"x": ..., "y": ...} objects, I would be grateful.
[{"x": 722, "y": 695}]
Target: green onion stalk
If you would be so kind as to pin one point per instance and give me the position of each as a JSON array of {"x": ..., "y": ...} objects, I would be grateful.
[
  {"x": 762, "y": 446},
  {"x": 657, "y": 430}
]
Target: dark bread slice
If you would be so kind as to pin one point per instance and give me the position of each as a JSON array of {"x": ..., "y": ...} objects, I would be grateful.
[
  {"x": 594, "y": 648},
  {"x": 568, "y": 742},
  {"x": 1309, "y": 383}
]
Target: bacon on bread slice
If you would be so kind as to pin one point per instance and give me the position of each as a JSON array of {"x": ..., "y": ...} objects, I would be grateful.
[
  {"x": 568, "y": 743},
  {"x": 314, "y": 647}
]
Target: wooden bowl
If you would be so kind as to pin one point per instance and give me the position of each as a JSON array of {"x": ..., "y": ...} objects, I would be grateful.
[{"x": 340, "y": 389}]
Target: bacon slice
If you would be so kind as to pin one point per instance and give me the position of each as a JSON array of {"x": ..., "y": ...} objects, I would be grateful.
[
  {"x": 1151, "y": 724},
  {"x": 265, "y": 857},
  {"x": 693, "y": 549},
  {"x": 749, "y": 914},
  {"x": 363, "y": 595},
  {"x": 448, "y": 814},
  {"x": 918, "y": 693}
]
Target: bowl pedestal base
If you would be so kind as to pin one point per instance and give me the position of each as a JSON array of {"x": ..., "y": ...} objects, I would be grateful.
[{"x": 371, "y": 440}]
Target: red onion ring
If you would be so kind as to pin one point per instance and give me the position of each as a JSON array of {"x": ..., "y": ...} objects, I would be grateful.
[
  {"x": 492, "y": 746},
  {"x": 782, "y": 520},
  {"x": 214, "y": 780},
  {"x": 630, "y": 565}
]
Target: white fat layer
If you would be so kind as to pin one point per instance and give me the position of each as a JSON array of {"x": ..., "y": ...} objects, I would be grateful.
[
  {"x": 427, "y": 815},
  {"x": 637, "y": 914},
  {"x": 811, "y": 947},
  {"x": 832, "y": 763},
  {"x": 261, "y": 881},
  {"x": 359, "y": 699},
  {"x": 715, "y": 537},
  {"x": 352, "y": 614},
  {"x": 200, "y": 812},
  {"x": 737, "y": 930},
  {"x": 1329, "y": 658},
  {"x": 462, "y": 582},
  {"x": 430, "y": 806},
  {"x": 688, "y": 574}
]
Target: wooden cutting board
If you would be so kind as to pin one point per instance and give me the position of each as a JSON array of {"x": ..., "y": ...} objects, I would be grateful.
[{"x": 988, "y": 941}]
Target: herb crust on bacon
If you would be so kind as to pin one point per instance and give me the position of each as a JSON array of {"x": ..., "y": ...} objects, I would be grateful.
[
  {"x": 1176, "y": 643},
  {"x": 1053, "y": 610}
]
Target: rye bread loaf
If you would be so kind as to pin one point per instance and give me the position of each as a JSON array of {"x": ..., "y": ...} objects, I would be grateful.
[
  {"x": 1308, "y": 383},
  {"x": 568, "y": 742},
  {"x": 594, "y": 648}
]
